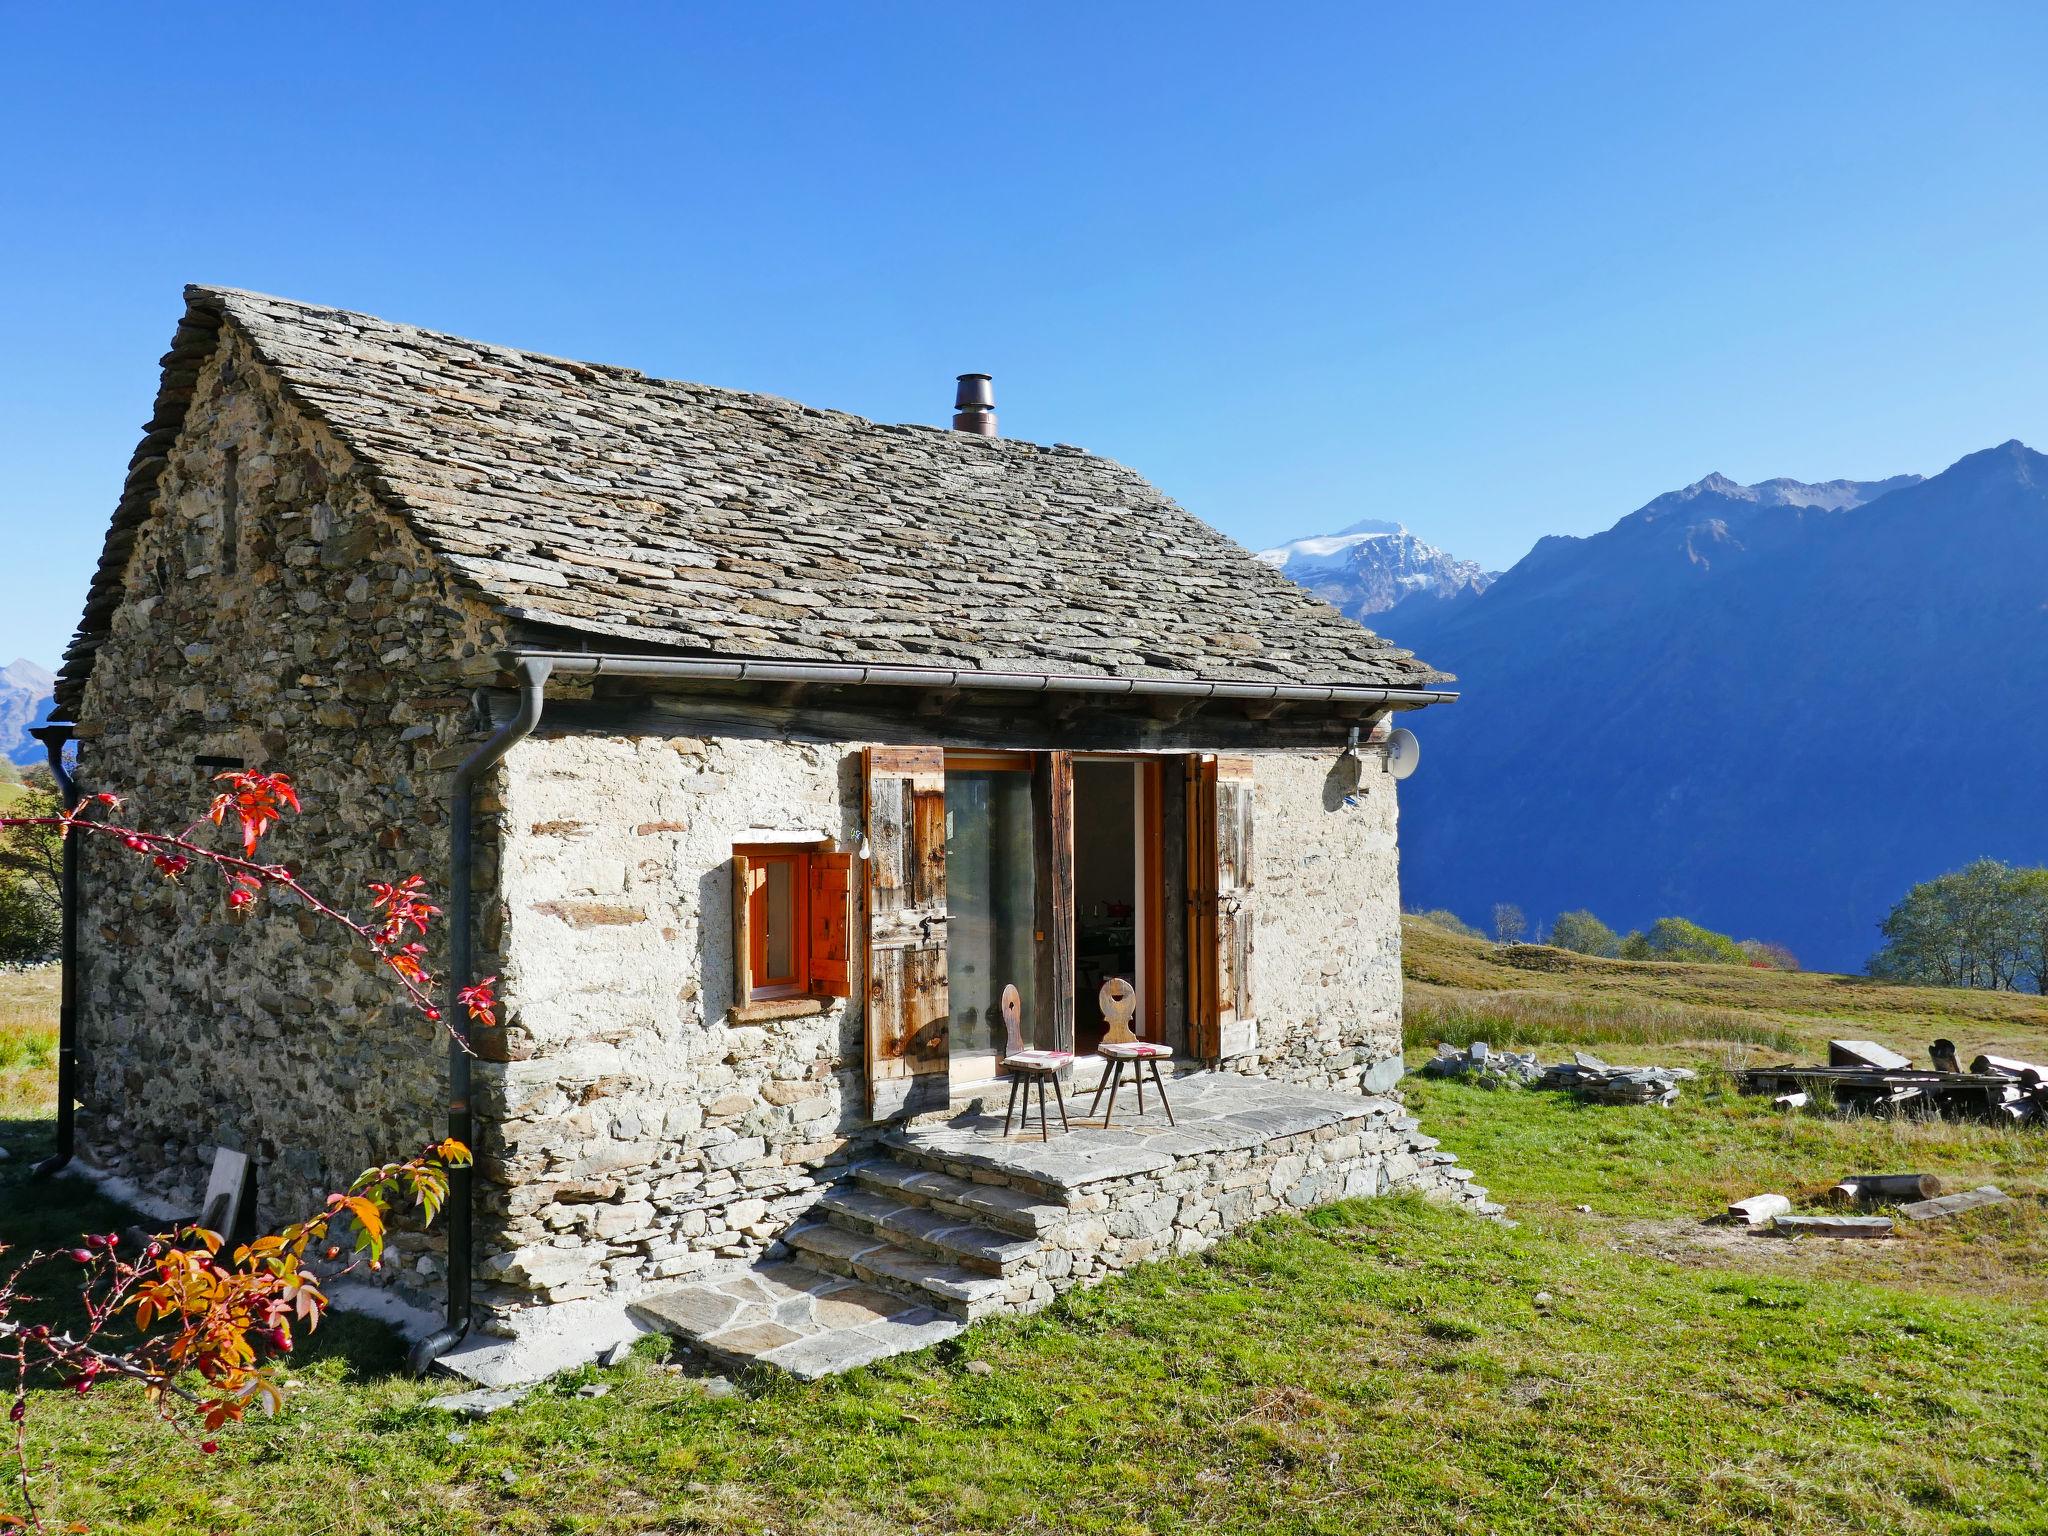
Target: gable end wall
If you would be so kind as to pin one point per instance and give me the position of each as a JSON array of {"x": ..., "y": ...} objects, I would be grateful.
[{"x": 335, "y": 651}]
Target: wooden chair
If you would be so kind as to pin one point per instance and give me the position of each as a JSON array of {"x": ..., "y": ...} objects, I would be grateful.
[
  {"x": 1026, "y": 1067},
  {"x": 1121, "y": 1047}
]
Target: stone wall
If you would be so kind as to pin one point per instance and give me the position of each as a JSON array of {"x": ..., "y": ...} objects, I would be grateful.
[
  {"x": 1326, "y": 946},
  {"x": 641, "y": 1134},
  {"x": 283, "y": 619}
]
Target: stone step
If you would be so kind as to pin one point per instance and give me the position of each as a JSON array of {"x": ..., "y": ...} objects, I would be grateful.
[
  {"x": 996, "y": 1204},
  {"x": 949, "y": 1288},
  {"x": 797, "y": 1319},
  {"x": 920, "y": 1227}
]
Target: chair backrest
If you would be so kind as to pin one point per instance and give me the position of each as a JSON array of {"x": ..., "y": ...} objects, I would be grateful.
[
  {"x": 1013, "y": 1019},
  {"x": 1119, "y": 1000}
]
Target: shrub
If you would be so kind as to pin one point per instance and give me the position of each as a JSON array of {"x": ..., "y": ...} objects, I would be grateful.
[
  {"x": 1449, "y": 921},
  {"x": 1676, "y": 938},
  {"x": 1582, "y": 931},
  {"x": 1767, "y": 956}
]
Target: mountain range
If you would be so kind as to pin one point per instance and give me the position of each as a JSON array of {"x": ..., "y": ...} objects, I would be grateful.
[
  {"x": 1770, "y": 708},
  {"x": 1374, "y": 567},
  {"x": 25, "y": 701}
]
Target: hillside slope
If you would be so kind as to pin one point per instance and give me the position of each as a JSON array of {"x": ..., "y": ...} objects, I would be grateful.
[{"x": 1771, "y": 708}]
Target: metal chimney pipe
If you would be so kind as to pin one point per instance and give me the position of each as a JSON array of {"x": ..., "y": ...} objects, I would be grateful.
[{"x": 974, "y": 405}]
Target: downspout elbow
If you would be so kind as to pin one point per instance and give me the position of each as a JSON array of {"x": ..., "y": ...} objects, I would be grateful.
[{"x": 461, "y": 1206}]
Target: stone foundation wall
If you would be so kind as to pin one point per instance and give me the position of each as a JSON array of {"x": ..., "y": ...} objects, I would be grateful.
[{"x": 1118, "y": 1223}]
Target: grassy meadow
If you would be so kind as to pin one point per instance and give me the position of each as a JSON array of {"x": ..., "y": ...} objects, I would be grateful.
[{"x": 1380, "y": 1366}]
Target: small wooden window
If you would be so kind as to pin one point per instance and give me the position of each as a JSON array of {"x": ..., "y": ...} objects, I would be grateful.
[{"x": 789, "y": 921}]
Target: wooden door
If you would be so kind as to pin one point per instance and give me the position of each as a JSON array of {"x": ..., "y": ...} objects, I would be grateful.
[
  {"x": 1221, "y": 799},
  {"x": 907, "y": 1004}
]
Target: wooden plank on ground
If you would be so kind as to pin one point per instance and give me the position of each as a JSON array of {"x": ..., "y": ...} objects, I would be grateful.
[
  {"x": 1866, "y": 1053},
  {"x": 1956, "y": 1204},
  {"x": 1833, "y": 1226}
]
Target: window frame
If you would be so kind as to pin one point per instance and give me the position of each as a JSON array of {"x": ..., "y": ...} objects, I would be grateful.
[{"x": 797, "y": 858}]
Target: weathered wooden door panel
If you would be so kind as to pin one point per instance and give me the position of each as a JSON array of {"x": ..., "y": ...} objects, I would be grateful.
[
  {"x": 1052, "y": 790},
  {"x": 907, "y": 1005},
  {"x": 1221, "y": 802}
]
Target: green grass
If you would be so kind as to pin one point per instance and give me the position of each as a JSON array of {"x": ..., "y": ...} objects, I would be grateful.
[{"x": 1379, "y": 1366}]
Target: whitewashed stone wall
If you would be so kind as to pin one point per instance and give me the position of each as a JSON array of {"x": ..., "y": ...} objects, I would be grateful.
[
  {"x": 326, "y": 643},
  {"x": 641, "y": 1135},
  {"x": 1326, "y": 947}
]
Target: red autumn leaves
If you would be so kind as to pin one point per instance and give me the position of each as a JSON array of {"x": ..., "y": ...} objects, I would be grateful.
[{"x": 259, "y": 801}]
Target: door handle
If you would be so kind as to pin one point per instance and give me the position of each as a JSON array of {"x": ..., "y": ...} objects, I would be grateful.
[{"x": 924, "y": 926}]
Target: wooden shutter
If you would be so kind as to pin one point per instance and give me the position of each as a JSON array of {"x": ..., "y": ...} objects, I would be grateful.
[
  {"x": 742, "y": 930},
  {"x": 907, "y": 1003},
  {"x": 1221, "y": 1019},
  {"x": 831, "y": 874}
]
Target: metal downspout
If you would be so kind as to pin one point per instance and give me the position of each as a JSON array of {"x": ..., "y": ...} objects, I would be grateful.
[
  {"x": 53, "y": 738},
  {"x": 533, "y": 678}
]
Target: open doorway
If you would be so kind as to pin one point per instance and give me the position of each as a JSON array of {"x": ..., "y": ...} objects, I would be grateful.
[{"x": 1115, "y": 889}]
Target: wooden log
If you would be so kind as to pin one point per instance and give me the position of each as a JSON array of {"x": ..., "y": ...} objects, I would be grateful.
[
  {"x": 1866, "y": 1053},
  {"x": 1833, "y": 1226},
  {"x": 2002, "y": 1066},
  {"x": 1956, "y": 1204},
  {"x": 1789, "y": 1101},
  {"x": 1759, "y": 1210},
  {"x": 1870, "y": 1188}
]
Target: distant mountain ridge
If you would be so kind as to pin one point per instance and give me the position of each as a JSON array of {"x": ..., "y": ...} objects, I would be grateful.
[
  {"x": 1373, "y": 567},
  {"x": 1770, "y": 708},
  {"x": 25, "y": 699}
]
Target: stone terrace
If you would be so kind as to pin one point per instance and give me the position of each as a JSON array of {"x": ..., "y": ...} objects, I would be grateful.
[{"x": 959, "y": 1222}]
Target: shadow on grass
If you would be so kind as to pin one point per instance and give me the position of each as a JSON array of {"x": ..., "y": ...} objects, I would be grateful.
[{"x": 52, "y": 1214}]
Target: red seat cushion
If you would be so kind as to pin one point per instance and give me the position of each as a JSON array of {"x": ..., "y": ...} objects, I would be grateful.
[{"x": 1132, "y": 1050}]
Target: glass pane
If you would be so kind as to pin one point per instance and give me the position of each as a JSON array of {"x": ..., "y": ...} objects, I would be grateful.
[
  {"x": 781, "y": 920},
  {"x": 992, "y": 913}
]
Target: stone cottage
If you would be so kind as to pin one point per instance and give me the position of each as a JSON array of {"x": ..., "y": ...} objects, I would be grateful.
[{"x": 759, "y": 749}]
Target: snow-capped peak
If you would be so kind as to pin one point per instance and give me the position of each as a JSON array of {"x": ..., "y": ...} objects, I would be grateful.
[{"x": 1373, "y": 564}]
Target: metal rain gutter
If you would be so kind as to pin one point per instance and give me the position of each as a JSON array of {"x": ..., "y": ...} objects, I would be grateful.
[
  {"x": 533, "y": 678},
  {"x": 599, "y": 664},
  {"x": 53, "y": 737}
]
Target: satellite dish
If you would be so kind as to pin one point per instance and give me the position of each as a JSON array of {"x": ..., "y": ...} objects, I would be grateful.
[{"x": 1403, "y": 752}]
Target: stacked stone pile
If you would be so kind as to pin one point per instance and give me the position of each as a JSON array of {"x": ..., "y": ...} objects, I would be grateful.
[
  {"x": 1482, "y": 1064},
  {"x": 1591, "y": 1078},
  {"x": 1585, "y": 1075}
]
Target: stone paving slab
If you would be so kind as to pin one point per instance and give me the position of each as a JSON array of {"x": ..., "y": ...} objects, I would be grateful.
[
  {"x": 1212, "y": 1112},
  {"x": 797, "y": 1319}
]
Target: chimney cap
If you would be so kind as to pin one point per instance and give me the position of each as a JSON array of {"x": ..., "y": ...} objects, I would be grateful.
[{"x": 974, "y": 405}]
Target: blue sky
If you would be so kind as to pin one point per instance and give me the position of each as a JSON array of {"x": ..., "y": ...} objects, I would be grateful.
[{"x": 1494, "y": 272}]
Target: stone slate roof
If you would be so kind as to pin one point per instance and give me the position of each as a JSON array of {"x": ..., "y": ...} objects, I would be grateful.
[{"x": 710, "y": 522}]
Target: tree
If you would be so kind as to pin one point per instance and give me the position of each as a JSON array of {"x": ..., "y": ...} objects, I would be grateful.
[
  {"x": 1984, "y": 925},
  {"x": 187, "y": 1307},
  {"x": 1582, "y": 931},
  {"x": 31, "y": 856},
  {"x": 1509, "y": 926}
]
